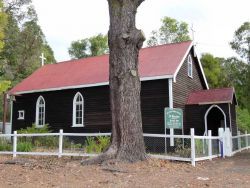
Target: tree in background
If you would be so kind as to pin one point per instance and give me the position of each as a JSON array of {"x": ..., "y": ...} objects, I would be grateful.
[
  {"x": 23, "y": 41},
  {"x": 3, "y": 22},
  {"x": 93, "y": 46},
  {"x": 212, "y": 69},
  {"x": 125, "y": 42},
  {"x": 241, "y": 41},
  {"x": 171, "y": 31}
]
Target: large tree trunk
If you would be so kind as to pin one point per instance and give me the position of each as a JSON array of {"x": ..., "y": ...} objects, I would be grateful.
[{"x": 125, "y": 42}]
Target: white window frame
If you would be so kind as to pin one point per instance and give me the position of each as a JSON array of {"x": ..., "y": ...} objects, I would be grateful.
[
  {"x": 190, "y": 66},
  {"x": 74, "y": 124},
  {"x": 21, "y": 114},
  {"x": 37, "y": 112}
]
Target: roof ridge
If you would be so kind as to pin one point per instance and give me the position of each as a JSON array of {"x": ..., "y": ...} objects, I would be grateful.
[{"x": 168, "y": 44}]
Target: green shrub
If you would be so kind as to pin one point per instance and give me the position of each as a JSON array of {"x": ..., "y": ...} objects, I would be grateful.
[
  {"x": 5, "y": 145},
  {"x": 24, "y": 146},
  {"x": 97, "y": 145},
  {"x": 182, "y": 149},
  {"x": 34, "y": 129}
]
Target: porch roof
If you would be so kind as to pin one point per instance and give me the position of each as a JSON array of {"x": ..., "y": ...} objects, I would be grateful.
[{"x": 212, "y": 96}]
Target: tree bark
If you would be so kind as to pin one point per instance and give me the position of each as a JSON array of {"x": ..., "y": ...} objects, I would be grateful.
[{"x": 125, "y": 42}]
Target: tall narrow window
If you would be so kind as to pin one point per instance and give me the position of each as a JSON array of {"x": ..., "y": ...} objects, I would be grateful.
[
  {"x": 190, "y": 66},
  {"x": 78, "y": 107},
  {"x": 40, "y": 112}
]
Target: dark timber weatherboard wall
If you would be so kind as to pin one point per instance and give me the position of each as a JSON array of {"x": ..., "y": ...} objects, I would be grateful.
[
  {"x": 97, "y": 115},
  {"x": 195, "y": 117},
  {"x": 184, "y": 85}
]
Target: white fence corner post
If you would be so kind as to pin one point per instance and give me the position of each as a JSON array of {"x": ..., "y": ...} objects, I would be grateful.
[
  {"x": 171, "y": 137},
  {"x": 14, "y": 144},
  {"x": 60, "y": 143},
  {"x": 246, "y": 139},
  {"x": 192, "y": 147},
  {"x": 239, "y": 140},
  {"x": 210, "y": 151}
]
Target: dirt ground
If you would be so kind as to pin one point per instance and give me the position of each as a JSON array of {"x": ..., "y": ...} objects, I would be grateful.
[{"x": 67, "y": 172}]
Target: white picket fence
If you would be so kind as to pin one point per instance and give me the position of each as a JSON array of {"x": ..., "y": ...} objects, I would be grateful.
[{"x": 191, "y": 148}]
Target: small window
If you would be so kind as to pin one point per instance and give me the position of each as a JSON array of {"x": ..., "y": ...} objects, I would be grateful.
[
  {"x": 20, "y": 114},
  {"x": 190, "y": 66},
  {"x": 40, "y": 112},
  {"x": 78, "y": 110}
]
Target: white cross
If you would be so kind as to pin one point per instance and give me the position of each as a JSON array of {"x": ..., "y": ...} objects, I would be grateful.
[
  {"x": 42, "y": 58},
  {"x": 192, "y": 29}
]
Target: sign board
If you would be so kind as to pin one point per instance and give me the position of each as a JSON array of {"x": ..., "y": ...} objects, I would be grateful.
[{"x": 173, "y": 118}]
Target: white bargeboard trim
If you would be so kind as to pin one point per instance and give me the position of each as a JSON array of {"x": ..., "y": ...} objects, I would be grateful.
[
  {"x": 89, "y": 85},
  {"x": 199, "y": 63}
]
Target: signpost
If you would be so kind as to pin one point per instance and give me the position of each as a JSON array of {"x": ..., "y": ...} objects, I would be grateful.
[{"x": 173, "y": 120}]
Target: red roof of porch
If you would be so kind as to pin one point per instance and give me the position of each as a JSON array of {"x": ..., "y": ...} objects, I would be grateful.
[{"x": 212, "y": 96}]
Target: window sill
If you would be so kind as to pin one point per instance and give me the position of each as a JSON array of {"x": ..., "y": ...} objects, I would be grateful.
[
  {"x": 77, "y": 126},
  {"x": 20, "y": 118}
]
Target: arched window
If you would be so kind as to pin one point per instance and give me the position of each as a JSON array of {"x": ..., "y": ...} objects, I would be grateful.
[
  {"x": 78, "y": 110},
  {"x": 190, "y": 66},
  {"x": 40, "y": 112}
]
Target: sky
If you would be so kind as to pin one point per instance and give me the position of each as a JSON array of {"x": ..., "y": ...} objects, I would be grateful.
[{"x": 214, "y": 21}]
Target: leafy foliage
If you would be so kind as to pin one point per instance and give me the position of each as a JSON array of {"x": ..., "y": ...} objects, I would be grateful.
[
  {"x": 3, "y": 23},
  {"x": 97, "y": 145},
  {"x": 24, "y": 146},
  {"x": 93, "y": 46},
  {"x": 243, "y": 120},
  {"x": 171, "y": 31},
  {"x": 212, "y": 69},
  {"x": 241, "y": 41},
  {"x": 34, "y": 129},
  {"x": 5, "y": 145}
]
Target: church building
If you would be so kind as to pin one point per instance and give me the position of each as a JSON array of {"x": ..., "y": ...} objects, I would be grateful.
[{"x": 74, "y": 95}]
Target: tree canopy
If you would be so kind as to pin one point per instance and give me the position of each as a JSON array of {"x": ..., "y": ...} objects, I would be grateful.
[
  {"x": 21, "y": 43},
  {"x": 93, "y": 46},
  {"x": 171, "y": 31},
  {"x": 241, "y": 41},
  {"x": 3, "y": 22},
  {"x": 212, "y": 69},
  {"x": 233, "y": 72}
]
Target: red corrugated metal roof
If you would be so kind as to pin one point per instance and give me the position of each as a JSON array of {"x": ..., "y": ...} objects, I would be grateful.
[
  {"x": 153, "y": 61},
  {"x": 223, "y": 95}
]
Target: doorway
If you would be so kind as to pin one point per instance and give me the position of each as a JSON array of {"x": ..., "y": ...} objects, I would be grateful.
[{"x": 215, "y": 118}]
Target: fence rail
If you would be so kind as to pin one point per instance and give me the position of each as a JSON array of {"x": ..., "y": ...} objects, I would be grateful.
[{"x": 190, "y": 148}]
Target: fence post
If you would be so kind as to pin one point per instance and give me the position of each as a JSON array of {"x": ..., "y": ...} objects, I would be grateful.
[
  {"x": 239, "y": 140},
  {"x": 14, "y": 144},
  {"x": 246, "y": 139},
  {"x": 60, "y": 143},
  {"x": 192, "y": 147},
  {"x": 210, "y": 144}
]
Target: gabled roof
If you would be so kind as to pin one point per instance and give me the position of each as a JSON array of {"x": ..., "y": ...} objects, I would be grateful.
[
  {"x": 212, "y": 96},
  {"x": 154, "y": 63}
]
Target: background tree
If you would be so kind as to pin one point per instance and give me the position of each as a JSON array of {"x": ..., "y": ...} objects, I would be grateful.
[
  {"x": 3, "y": 22},
  {"x": 125, "y": 42},
  {"x": 171, "y": 31},
  {"x": 93, "y": 46},
  {"x": 241, "y": 41},
  {"x": 23, "y": 41},
  {"x": 212, "y": 69}
]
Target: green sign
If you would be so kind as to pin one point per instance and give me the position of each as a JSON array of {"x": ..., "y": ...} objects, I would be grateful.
[{"x": 173, "y": 118}]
